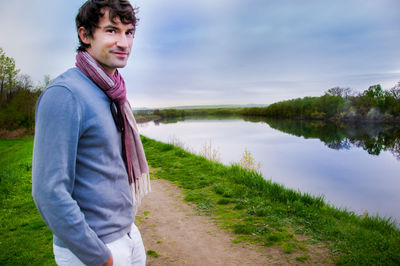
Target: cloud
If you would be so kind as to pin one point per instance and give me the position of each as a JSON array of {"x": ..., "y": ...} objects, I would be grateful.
[
  {"x": 39, "y": 35},
  {"x": 226, "y": 51}
]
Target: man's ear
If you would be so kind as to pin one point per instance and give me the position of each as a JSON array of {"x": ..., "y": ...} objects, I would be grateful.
[{"x": 82, "y": 32}]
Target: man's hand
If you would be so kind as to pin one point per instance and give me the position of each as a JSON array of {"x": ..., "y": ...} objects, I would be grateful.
[{"x": 109, "y": 262}]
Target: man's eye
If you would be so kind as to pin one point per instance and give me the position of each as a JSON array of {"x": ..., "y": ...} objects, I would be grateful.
[
  {"x": 111, "y": 31},
  {"x": 130, "y": 33}
]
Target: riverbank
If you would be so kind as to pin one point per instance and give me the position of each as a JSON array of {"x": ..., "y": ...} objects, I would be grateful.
[
  {"x": 265, "y": 113},
  {"x": 241, "y": 202},
  {"x": 264, "y": 212},
  {"x": 146, "y": 118}
]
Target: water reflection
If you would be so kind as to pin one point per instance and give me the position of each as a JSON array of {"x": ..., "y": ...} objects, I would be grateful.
[{"x": 373, "y": 138}]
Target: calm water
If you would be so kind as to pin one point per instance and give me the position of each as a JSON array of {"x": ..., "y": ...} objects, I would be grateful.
[{"x": 353, "y": 167}]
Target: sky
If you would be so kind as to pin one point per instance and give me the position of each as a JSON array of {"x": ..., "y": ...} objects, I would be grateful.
[{"x": 207, "y": 52}]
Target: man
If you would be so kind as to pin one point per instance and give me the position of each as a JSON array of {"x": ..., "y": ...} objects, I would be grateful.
[{"x": 89, "y": 168}]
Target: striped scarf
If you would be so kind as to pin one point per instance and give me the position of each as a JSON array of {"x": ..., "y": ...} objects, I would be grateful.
[{"x": 134, "y": 157}]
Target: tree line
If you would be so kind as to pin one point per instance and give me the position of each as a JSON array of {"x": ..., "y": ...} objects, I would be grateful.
[
  {"x": 18, "y": 95},
  {"x": 373, "y": 104},
  {"x": 337, "y": 104},
  {"x": 180, "y": 113}
]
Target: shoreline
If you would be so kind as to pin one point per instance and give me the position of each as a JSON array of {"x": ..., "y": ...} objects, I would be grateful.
[{"x": 146, "y": 118}]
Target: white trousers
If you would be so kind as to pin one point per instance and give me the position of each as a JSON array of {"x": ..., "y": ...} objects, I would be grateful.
[{"x": 128, "y": 250}]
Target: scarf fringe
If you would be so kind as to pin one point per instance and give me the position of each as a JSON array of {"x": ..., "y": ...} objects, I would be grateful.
[{"x": 139, "y": 189}]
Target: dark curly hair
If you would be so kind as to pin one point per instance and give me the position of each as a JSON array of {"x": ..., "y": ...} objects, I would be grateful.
[{"x": 91, "y": 11}]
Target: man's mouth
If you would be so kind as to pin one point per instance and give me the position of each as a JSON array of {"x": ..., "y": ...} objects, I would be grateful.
[{"x": 120, "y": 53}]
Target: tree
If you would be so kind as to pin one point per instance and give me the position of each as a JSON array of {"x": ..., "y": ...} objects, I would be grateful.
[
  {"x": 341, "y": 92},
  {"x": 8, "y": 72},
  {"x": 42, "y": 85},
  {"x": 23, "y": 82},
  {"x": 18, "y": 95},
  {"x": 374, "y": 91},
  {"x": 395, "y": 91}
]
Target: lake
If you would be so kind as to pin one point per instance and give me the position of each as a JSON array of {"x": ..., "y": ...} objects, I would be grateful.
[{"x": 353, "y": 166}]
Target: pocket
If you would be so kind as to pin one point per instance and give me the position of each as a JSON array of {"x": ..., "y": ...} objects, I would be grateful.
[
  {"x": 121, "y": 251},
  {"x": 138, "y": 250},
  {"x": 65, "y": 257}
]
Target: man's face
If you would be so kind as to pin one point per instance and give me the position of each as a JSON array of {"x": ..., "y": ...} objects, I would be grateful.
[{"x": 111, "y": 43}]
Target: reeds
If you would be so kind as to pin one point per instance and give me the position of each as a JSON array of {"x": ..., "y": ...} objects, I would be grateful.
[
  {"x": 248, "y": 162},
  {"x": 209, "y": 152}
]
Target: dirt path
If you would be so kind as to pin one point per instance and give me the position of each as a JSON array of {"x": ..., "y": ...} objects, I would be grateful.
[{"x": 171, "y": 228}]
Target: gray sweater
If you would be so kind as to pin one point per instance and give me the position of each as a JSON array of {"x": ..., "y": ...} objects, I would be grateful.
[{"x": 80, "y": 185}]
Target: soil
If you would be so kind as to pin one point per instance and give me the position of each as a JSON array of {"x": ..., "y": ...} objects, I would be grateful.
[
  {"x": 171, "y": 227},
  {"x": 15, "y": 134}
]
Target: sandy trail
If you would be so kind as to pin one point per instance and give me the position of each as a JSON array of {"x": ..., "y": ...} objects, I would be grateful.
[{"x": 171, "y": 227}]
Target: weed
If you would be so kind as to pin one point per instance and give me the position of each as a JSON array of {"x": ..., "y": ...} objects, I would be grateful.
[
  {"x": 275, "y": 237},
  {"x": 175, "y": 141},
  {"x": 138, "y": 219},
  {"x": 240, "y": 204},
  {"x": 240, "y": 238},
  {"x": 248, "y": 162},
  {"x": 204, "y": 204},
  {"x": 223, "y": 201},
  {"x": 263, "y": 208},
  {"x": 167, "y": 147},
  {"x": 245, "y": 229},
  {"x": 210, "y": 153},
  {"x": 152, "y": 253},
  {"x": 223, "y": 189},
  {"x": 288, "y": 247},
  {"x": 303, "y": 258}
]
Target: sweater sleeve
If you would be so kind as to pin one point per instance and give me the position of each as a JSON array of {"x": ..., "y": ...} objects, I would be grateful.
[{"x": 58, "y": 118}]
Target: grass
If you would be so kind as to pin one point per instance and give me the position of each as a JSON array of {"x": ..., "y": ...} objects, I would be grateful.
[
  {"x": 240, "y": 200},
  {"x": 303, "y": 258},
  {"x": 24, "y": 237},
  {"x": 152, "y": 253}
]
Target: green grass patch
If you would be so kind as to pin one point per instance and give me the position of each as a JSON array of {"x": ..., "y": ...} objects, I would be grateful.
[
  {"x": 260, "y": 210},
  {"x": 152, "y": 253},
  {"x": 204, "y": 204},
  {"x": 223, "y": 201},
  {"x": 303, "y": 258}
]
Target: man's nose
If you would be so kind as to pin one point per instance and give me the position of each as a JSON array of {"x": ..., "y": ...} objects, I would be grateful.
[{"x": 122, "y": 41}]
